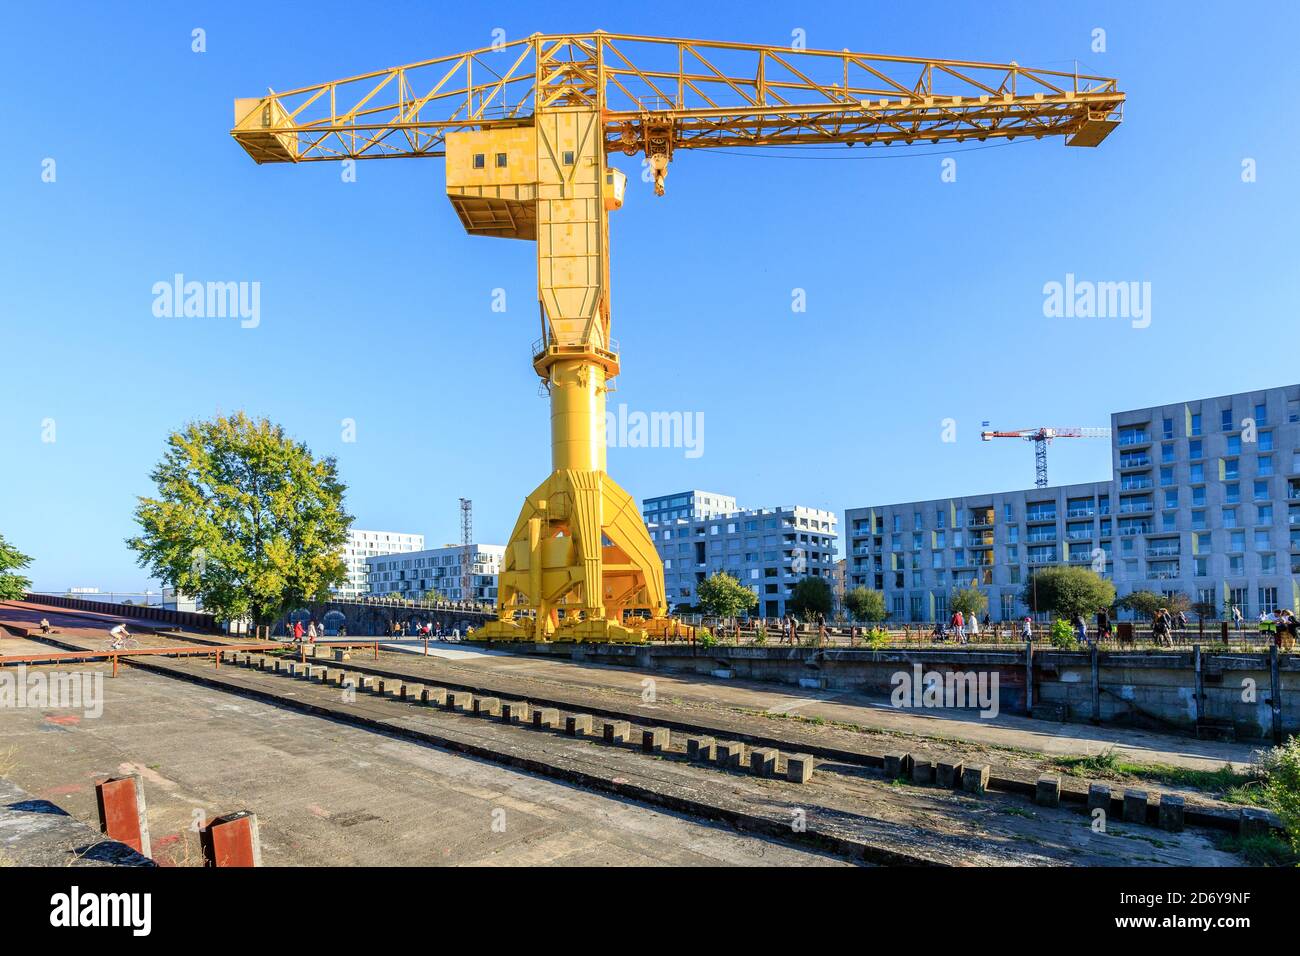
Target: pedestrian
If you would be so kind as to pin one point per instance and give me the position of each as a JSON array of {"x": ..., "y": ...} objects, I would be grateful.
[
  {"x": 1027, "y": 628},
  {"x": 1103, "y": 625},
  {"x": 1236, "y": 617},
  {"x": 959, "y": 626},
  {"x": 1080, "y": 628},
  {"x": 297, "y": 630},
  {"x": 988, "y": 621},
  {"x": 974, "y": 626},
  {"x": 311, "y": 632}
]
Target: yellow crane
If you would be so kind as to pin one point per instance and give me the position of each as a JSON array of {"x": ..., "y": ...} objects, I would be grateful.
[{"x": 527, "y": 128}]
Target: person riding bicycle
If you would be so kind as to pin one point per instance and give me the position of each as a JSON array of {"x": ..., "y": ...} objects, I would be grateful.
[{"x": 118, "y": 637}]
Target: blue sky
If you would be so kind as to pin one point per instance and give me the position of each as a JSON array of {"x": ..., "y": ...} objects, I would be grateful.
[{"x": 924, "y": 298}]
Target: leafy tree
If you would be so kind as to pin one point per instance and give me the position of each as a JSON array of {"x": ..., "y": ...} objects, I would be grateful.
[
  {"x": 972, "y": 602},
  {"x": 723, "y": 596},
  {"x": 1176, "y": 603},
  {"x": 1142, "y": 603},
  {"x": 245, "y": 519},
  {"x": 810, "y": 597},
  {"x": 1205, "y": 610},
  {"x": 1068, "y": 591},
  {"x": 866, "y": 604},
  {"x": 13, "y": 586}
]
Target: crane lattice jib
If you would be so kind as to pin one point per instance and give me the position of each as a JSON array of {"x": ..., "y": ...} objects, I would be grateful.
[{"x": 683, "y": 94}]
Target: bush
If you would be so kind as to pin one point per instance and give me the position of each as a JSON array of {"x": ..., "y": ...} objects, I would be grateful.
[
  {"x": 876, "y": 638},
  {"x": 1062, "y": 635},
  {"x": 704, "y": 637},
  {"x": 1281, "y": 767},
  {"x": 760, "y": 634}
]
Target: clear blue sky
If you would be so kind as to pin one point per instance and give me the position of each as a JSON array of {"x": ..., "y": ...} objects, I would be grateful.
[{"x": 924, "y": 297}]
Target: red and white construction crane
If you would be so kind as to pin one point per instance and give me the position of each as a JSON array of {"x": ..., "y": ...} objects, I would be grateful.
[{"x": 1042, "y": 437}]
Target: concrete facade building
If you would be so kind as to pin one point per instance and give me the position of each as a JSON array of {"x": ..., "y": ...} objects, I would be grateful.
[
  {"x": 1203, "y": 500},
  {"x": 415, "y": 574},
  {"x": 766, "y": 549},
  {"x": 686, "y": 504},
  {"x": 368, "y": 544}
]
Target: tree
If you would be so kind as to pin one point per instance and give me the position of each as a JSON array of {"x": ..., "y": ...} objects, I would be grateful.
[
  {"x": 1205, "y": 610},
  {"x": 13, "y": 586},
  {"x": 866, "y": 604},
  {"x": 1068, "y": 591},
  {"x": 1142, "y": 603},
  {"x": 245, "y": 519},
  {"x": 972, "y": 602},
  {"x": 810, "y": 597},
  {"x": 723, "y": 596}
]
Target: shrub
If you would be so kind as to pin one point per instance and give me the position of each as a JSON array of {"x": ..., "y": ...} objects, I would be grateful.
[
  {"x": 1281, "y": 767},
  {"x": 1062, "y": 635},
  {"x": 704, "y": 637}
]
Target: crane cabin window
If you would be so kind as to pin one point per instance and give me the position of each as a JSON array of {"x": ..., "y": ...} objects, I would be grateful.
[
  {"x": 567, "y": 157},
  {"x": 480, "y": 160},
  {"x": 501, "y": 160}
]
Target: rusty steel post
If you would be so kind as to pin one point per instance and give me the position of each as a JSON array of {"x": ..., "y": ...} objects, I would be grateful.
[
  {"x": 231, "y": 840},
  {"x": 122, "y": 812}
]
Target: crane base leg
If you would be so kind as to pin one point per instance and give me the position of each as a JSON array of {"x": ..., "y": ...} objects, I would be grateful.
[{"x": 579, "y": 566}]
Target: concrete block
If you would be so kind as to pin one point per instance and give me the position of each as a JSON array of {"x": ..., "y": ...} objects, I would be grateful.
[
  {"x": 410, "y": 692},
  {"x": 434, "y": 696},
  {"x": 947, "y": 772},
  {"x": 898, "y": 765},
  {"x": 461, "y": 700},
  {"x": 1135, "y": 806},
  {"x": 731, "y": 753},
  {"x": 341, "y": 655},
  {"x": 1253, "y": 822},
  {"x": 975, "y": 778},
  {"x": 577, "y": 725},
  {"x": 701, "y": 749},
  {"x": 654, "y": 740},
  {"x": 922, "y": 770},
  {"x": 799, "y": 768},
  {"x": 1171, "y": 812},
  {"x": 516, "y": 712},
  {"x": 762, "y": 761},
  {"x": 617, "y": 731},
  {"x": 1048, "y": 791},
  {"x": 1098, "y": 797},
  {"x": 487, "y": 706},
  {"x": 321, "y": 674},
  {"x": 545, "y": 718}
]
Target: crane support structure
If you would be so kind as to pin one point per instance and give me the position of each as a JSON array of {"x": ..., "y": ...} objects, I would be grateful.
[
  {"x": 1042, "y": 437},
  {"x": 527, "y": 128}
]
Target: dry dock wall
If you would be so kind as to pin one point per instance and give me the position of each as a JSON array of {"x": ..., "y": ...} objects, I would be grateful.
[{"x": 1167, "y": 690}]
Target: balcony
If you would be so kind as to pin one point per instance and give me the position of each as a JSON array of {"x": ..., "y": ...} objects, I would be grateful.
[
  {"x": 1130, "y": 439},
  {"x": 1081, "y": 513},
  {"x": 1135, "y": 484},
  {"x": 1127, "y": 462},
  {"x": 1163, "y": 552},
  {"x": 1079, "y": 535},
  {"x": 1049, "y": 557},
  {"x": 1038, "y": 517},
  {"x": 1138, "y": 509}
]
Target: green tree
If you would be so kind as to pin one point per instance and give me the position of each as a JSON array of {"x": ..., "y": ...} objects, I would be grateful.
[
  {"x": 1068, "y": 591},
  {"x": 723, "y": 596},
  {"x": 245, "y": 519},
  {"x": 866, "y": 604},
  {"x": 810, "y": 597},
  {"x": 1142, "y": 603},
  {"x": 13, "y": 586},
  {"x": 972, "y": 602}
]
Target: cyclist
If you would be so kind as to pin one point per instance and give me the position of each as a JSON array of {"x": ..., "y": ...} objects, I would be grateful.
[{"x": 118, "y": 637}]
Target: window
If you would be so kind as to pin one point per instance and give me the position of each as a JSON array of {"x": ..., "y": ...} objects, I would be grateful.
[
  {"x": 1167, "y": 428},
  {"x": 1197, "y": 473},
  {"x": 1261, "y": 414},
  {"x": 1166, "y": 477},
  {"x": 1237, "y": 541},
  {"x": 501, "y": 160},
  {"x": 1262, "y": 539},
  {"x": 1225, "y": 419},
  {"x": 1195, "y": 449},
  {"x": 480, "y": 160},
  {"x": 567, "y": 157},
  {"x": 1194, "y": 426},
  {"x": 1265, "y": 515},
  {"x": 1267, "y": 600},
  {"x": 1232, "y": 493},
  {"x": 1171, "y": 498},
  {"x": 1265, "y": 440},
  {"x": 1261, "y": 490},
  {"x": 1230, "y": 518},
  {"x": 1265, "y": 465},
  {"x": 1234, "y": 444}
]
